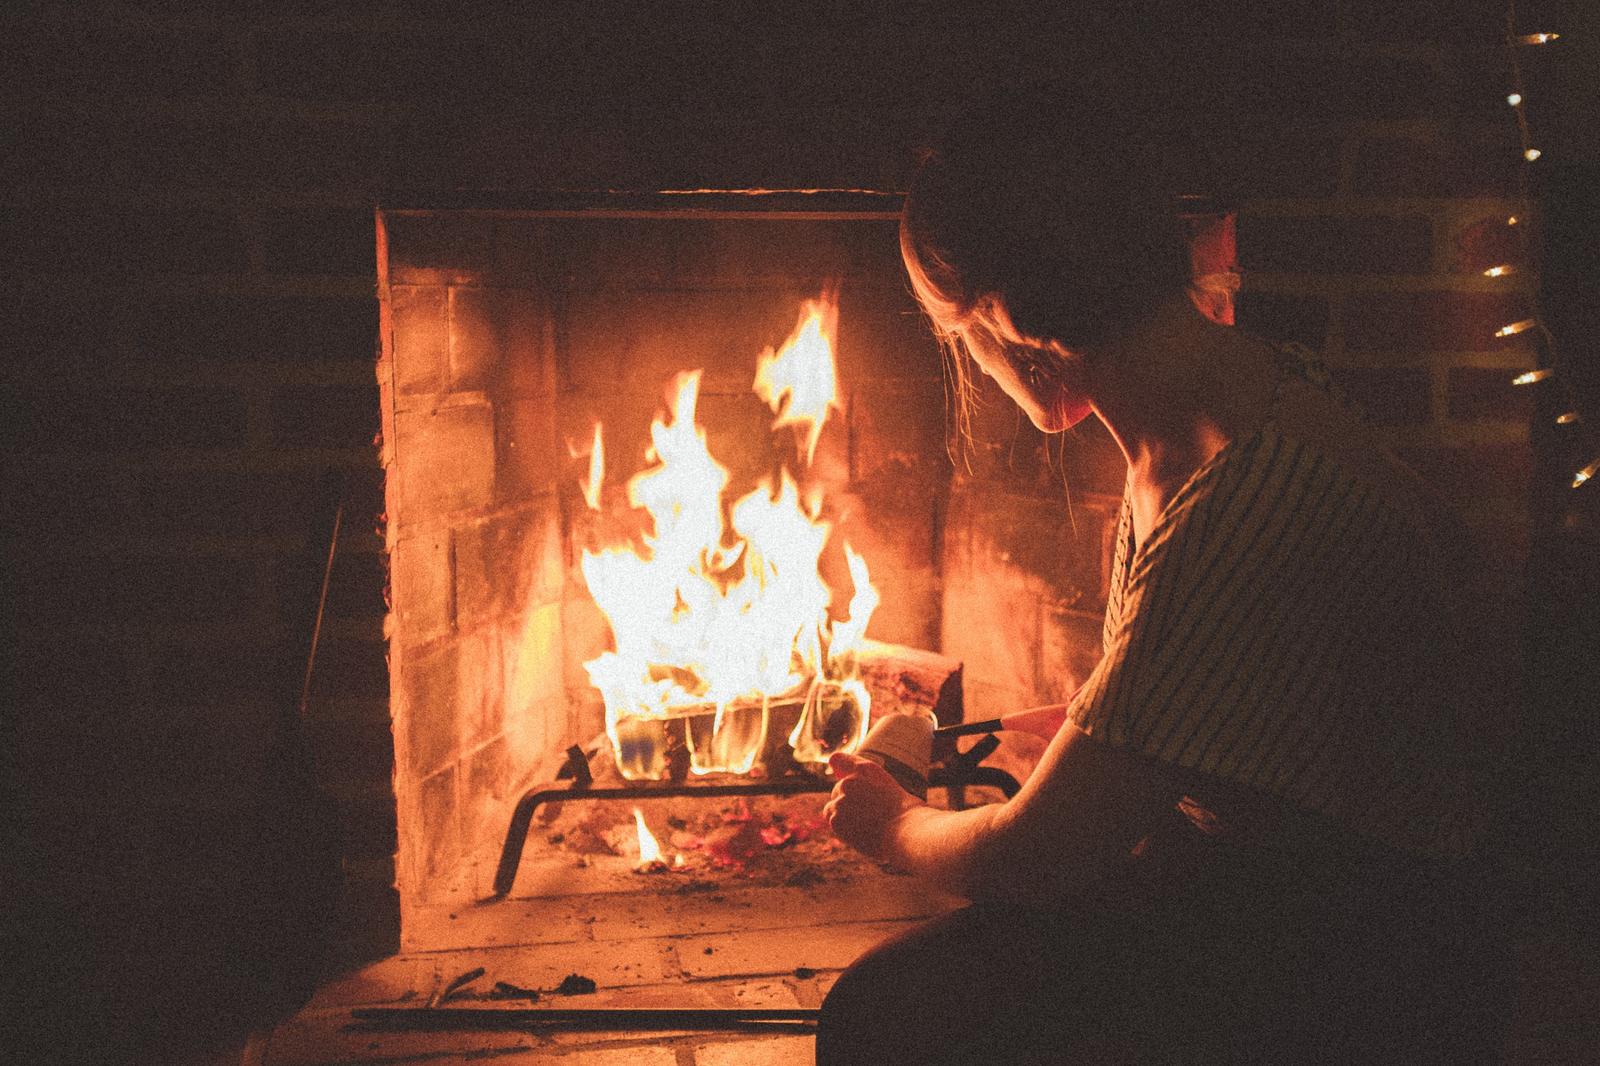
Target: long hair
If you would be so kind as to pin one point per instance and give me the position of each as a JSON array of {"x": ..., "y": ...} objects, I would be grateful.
[{"x": 1066, "y": 212}]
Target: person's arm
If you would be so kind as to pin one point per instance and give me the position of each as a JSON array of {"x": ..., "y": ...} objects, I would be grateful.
[{"x": 1080, "y": 813}]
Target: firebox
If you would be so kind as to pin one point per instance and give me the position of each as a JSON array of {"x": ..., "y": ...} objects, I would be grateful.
[{"x": 551, "y": 375}]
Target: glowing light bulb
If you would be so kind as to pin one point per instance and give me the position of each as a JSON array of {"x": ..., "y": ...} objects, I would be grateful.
[
  {"x": 1515, "y": 99},
  {"x": 1585, "y": 474},
  {"x": 1532, "y": 376},
  {"x": 1569, "y": 418},
  {"x": 1500, "y": 271},
  {"x": 1512, "y": 221},
  {"x": 1515, "y": 327},
  {"x": 1531, "y": 154},
  {"x": 1537, "y": 38}
]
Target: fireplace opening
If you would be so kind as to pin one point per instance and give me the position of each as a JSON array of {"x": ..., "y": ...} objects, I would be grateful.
[{"x": 527, "y": 359}]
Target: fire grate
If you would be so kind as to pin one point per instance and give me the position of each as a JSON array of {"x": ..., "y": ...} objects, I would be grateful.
[{"x": 954, "y": 771}]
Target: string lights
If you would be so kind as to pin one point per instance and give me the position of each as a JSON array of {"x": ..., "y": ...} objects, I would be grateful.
[{"x": 1516, "y": 41}]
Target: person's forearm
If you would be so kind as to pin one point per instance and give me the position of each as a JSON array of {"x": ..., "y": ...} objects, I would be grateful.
[{"x": 952, "y": 849}]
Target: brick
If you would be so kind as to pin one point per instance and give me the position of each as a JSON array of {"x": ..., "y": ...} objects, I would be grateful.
[
  {"x": 500, "y": 340},
  {"x": 325, "y": 416},
  {"x": 420, "y": 321},
  {"x": 489, "y": 777},
  {"x": 440, "y": 825},
  {"x": 1284, "y": 317},
  {"x": 506, "y": 564},
  {"x": 1486, "y": 394},
  {"x": 1428, "y": 321},
  {"x": 883, "y": 336},
  {"x": 339, "y": 241},
  {"x": 525, "y": 450},
  {"x": 430, "y": 682},
  {"x": 1389, "y": 396},
  {"x": 447, "y": 461},
  {"x": 420, "y": 573},
  {"x": 1324, "y": 245}
]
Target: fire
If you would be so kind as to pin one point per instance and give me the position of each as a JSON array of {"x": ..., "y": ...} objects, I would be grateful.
[
  {"x": 720, "y": 616},
  {"x": 649, "y": 850},
  {"x": 597, "y": 471},
  {"x": 799, "y": 380}
]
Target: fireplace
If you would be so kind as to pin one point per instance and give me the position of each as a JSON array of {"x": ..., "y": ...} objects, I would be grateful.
[{"x": 507, "y": 337}]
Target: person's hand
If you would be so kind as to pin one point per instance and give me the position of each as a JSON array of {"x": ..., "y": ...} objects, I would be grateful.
[{"x": 866, "y": 804}]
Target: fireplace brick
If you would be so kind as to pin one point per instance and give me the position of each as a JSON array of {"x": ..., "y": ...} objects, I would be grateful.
[
  {"x": 440, "y": 821},
  {"x": 524, "y": 457},
  {"x": 421, "y": 336},
  {"x": 429, "y": 681},
  {"x": 421, "y": 579},
  {"x": 508, "y": 563},
  {"x": 459, "y": 441},
  {"x": 500, "y": 341}
]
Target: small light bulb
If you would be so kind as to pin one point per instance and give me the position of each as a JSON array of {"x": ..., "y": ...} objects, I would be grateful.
[
  {"x": 1531, "y": 376},
  {"x": 1531, "y": 154},
  {"x": 1500, "y": 271},
  {"x": 1569, "y": 418},
  {"x": 1515, "y": 99},
  {"x": 1585, "y": 474},
  {"x": 1537, "y": 38},
  {"x": 1515, "y": 327},
  {"x": 1512, "y": 221}
]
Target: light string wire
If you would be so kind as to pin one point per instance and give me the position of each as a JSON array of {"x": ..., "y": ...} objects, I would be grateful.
[{"x": 1547, "y": 352}]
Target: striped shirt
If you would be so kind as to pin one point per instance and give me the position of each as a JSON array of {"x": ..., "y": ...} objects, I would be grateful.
[{"x": 1290, "y": 628}]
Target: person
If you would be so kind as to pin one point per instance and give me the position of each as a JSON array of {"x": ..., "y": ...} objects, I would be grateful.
[{"x": 1256, "y": 831}]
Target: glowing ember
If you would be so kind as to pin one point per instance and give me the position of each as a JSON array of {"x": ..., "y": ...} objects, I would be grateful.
[
  {"x": 650, "y": 860},
  {"x": 721, "y": 614}
]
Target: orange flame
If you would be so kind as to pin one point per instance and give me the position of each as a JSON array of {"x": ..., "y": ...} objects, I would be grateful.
[
  {"x": 649, "y": 849},
  {"x": 715, "y": 617},
  {"x": 597, "y": 471},
  {"x": 799, "y": 381}
]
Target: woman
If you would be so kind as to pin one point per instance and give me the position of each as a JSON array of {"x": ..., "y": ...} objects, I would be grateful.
[{"x": 1253, "y": 832}]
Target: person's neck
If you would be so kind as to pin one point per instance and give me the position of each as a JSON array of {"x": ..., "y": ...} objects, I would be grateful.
[{"x": 1174, "y": 391}]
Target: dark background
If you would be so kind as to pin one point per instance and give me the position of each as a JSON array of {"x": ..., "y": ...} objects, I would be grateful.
[{"x": 189, "y": 322}]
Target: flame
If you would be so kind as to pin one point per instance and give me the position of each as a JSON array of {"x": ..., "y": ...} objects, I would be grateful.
[
  {"x": 720, "y": 612},
  {"x": 649, "y": 849},
  {"x": 597, "y": 471},
  {"x": 799, "y": 380}
]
